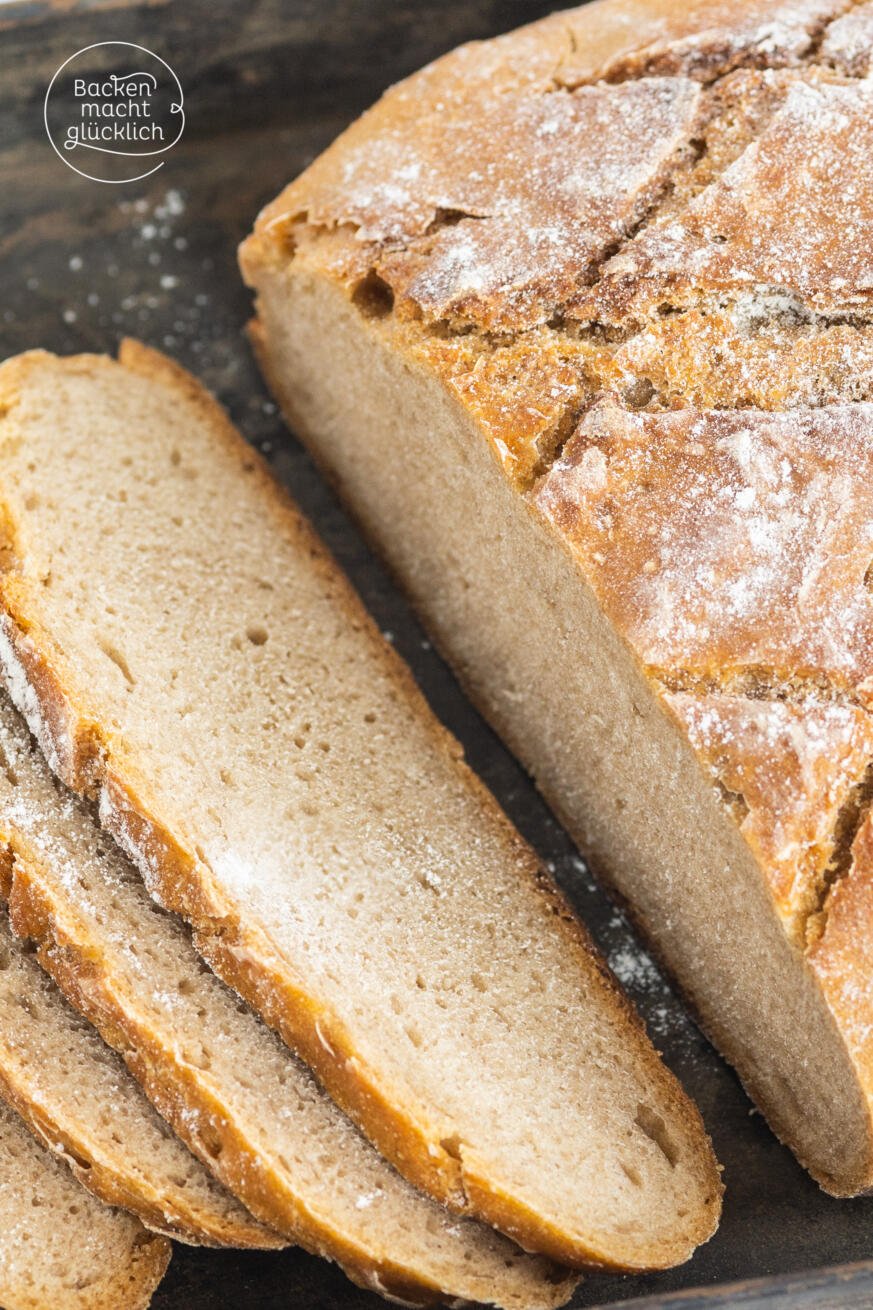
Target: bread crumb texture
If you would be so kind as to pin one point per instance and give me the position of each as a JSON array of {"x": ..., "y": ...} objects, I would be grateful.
[
  {"x": 61, "y": 1246},
  {"x": 635, "y": 241}
]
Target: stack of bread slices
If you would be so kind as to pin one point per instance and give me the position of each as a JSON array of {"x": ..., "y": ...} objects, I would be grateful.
[{"x": 274, "y": 967}]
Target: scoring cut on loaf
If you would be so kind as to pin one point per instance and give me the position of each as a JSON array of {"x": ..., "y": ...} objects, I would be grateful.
[
  {"x": 264, "y": 756},
  {"x": 234, "y": 1093},
  {"x": 626, "y": 477},
  {"x": 59, "y": 1246}
]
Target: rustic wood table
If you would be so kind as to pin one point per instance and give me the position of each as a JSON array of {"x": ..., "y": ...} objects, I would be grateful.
[{"x": 267, "y": 85}]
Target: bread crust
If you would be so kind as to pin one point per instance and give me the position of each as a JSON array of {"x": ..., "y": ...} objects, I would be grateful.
[
  {"x": 84, "y": 756},
  {"x": 560, "y": 405}
]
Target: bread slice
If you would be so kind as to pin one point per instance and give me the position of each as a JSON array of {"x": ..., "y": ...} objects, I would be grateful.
[
  {"x": 59, "y": 1247},
  {"x": 620, "y": 458},
  {"x": 266, "y": 759},
  {"x": 233, "y": 1092},
  {"x": 78, "y": 1099}
]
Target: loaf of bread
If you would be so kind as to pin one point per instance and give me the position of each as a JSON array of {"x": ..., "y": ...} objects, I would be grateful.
[
  {"x": 60, "y": 1248},
  {"x": 228, "y": 1086},
  {"x": 77, "y": 1097},
  {"x": 183, "y": 647},
  {"x": 580, "y": 322}
]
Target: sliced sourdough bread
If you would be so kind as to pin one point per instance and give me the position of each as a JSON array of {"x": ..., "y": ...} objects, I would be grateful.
[
  {"x": 77, "y": 1097},
  {"x": 60, "y": 1248},
  {"x": 606, "y": 412},
  {"x": 182, "y": 646},
  {"x": 232, "y": 1090}
]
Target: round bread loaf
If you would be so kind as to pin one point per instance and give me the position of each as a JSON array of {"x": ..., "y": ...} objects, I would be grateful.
[{"x": 580, "y": 322}]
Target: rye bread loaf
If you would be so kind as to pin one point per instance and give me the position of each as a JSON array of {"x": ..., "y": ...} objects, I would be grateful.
[
  {"x": 181, "y": 645},
  {"x": 60, "y": 1248},
  {"x": 77, "y": 1097},
  {"x": 597, "y": 302},
  {"x": 248, "y": 1108}
]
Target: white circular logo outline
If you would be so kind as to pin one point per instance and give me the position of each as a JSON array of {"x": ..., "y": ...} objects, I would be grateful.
[{"x": 117, "y": 181}]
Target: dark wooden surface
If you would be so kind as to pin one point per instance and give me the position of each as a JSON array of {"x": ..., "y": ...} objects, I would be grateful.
[{"x": 267, "y": 85}]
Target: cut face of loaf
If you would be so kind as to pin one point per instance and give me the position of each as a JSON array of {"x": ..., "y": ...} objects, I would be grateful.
[
  {"x": 59, "y": 1246},
  {"x": 265, "y": 758},
  {"x": 79, "y": 1099},
  {"x": 229, "y": 1087},
  {"x": 628, "y": 481}
]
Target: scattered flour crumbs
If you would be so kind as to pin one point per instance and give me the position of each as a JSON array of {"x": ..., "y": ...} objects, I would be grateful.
[
  {"x": 638, "y": 974},
  {"x": 161, "y": 289},
  {"x": 645, "y": 984}
]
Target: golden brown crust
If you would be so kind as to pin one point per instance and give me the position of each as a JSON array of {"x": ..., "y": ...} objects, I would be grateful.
[
  {"x": 713, "y": 359},
  {"x": 178, "y": 1216},
  {"x": 33, "y": 916},
  {"x": 729, "y": 547},
  {"x": 600, "y": 42},
  {"x": 505, "y": 246},
  {"x": 762, "y": 224},
  {"x": 486, "y": 189},
  {"x": 524, "y": 393},
  {"x": 842, "y": 958},
  {"x": 788, "y": 770},
  {"x": 91, "y": 761}
]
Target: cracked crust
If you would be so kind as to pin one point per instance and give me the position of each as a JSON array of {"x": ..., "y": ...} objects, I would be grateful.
[
  {"x": 791, "y": 771},
  {"x": 689, "y": 410},
  {"x": 693, "y": 527},
  {"x": 805, "y": 232},
  {"x": 465, "y": 226},
  {"x": 726, "y": 358}
]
